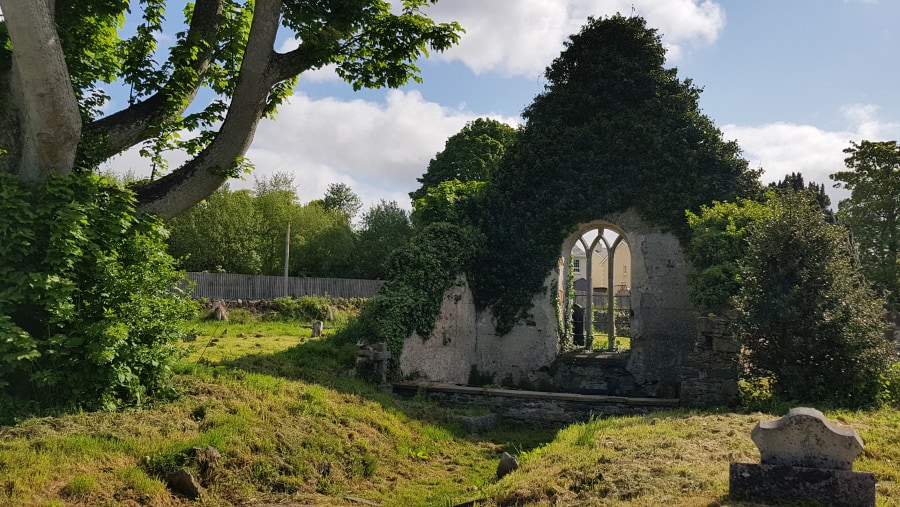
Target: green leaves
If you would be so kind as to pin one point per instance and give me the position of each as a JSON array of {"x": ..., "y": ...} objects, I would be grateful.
[
  {"x": 807, "y": 317},
  {"x": 613, "y": 130},
  {"x": 873, "y": 211},
  {"x": 472, "y": 154},
  {"x": 92, "y": 315},
  {"x": 372, "y": 46},
  {"x": 418, "y": 275},
  {"x": 718, "y": 241}
]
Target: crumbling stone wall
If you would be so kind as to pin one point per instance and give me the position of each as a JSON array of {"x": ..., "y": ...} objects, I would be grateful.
[
  {"x": 709, "y": 375},
  {"x": 464, "y": 340},
  {"x": 663, "y": 324},
  {"x": 668, "y": 359}
]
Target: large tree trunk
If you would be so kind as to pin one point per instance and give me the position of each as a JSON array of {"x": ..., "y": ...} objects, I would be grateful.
[
  {"x": 44, "y": 106},
  {"x": 198, "y": 178}
]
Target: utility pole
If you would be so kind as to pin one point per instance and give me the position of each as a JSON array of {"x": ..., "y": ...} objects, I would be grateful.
[{"x": 287, "y": 257}]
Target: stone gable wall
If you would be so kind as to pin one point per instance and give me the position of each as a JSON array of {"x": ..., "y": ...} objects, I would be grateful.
[{"x": 667, "y": 358}]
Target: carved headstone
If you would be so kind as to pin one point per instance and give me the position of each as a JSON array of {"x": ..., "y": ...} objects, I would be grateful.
[
  {"x": 805, "y": 438},
  {"x": 317, "y": 328},
  {"x": 804, "y": 457}
]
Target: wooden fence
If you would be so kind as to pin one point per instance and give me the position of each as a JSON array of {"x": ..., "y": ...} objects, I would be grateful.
[{"x": 231, "y": 287}]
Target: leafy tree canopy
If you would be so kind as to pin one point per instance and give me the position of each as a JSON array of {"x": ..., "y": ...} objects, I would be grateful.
[
  {"x": 341, "y": 198},
  {"x": 385, "y": 228},
  {"x": 806, "y": 318},
  {"x": 448, "y": 201},
  {"x": 873, "y": 211},
  {"x": 794, "y": 182},
  {"x": 57, "y": 57},
  {"x": 244, "y": 232},
  {"x": 718, "y": 242},
  {"x": 472, "y": 154}
]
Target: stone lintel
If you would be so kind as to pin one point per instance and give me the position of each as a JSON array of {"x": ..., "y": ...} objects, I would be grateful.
[
  {"x": 777, "y": 483},
  {"x": 805, "y": 438}
]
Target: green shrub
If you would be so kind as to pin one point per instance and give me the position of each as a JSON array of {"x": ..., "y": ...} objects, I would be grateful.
[
  {"x": 91, "y": 305},
  {"x": 890, "y": 382},
  {"x": 808, "y": 319},
  {"x": 304, "y": 308},
  {"x": 240, "y": 316},
  {"x": 758, "y": 395},
  {"x": 718, "y": 241}
]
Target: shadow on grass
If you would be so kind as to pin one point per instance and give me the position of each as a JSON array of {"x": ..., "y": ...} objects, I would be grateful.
[{"x": 329, "y": 362}]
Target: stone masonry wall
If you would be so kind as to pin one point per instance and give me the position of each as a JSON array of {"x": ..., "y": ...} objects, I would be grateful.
[
  {"x": 709, "y": 375},
  {"x": 464, "y": 339},
  {"x": 668, "y": 358}
]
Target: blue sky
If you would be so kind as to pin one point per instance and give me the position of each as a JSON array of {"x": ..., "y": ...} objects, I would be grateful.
[{"x": 793, "y": 81}]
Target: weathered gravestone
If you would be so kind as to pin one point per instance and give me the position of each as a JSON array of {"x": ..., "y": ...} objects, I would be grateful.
[
  {"x": 377, "y": 358},
  {"x": 804, "y": 457}
]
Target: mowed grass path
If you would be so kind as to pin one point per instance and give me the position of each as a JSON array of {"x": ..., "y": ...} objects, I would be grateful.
[{"x": 293, "y": 428}]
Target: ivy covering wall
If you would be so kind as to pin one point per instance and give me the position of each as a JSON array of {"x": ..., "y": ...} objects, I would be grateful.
[{"x": 613, "y": 130}]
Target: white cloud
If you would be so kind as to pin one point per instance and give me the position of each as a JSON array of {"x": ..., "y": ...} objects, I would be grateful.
[
  {"x": 377, "y": 149},
  {"x": 781, "y": 148},
  {"x": 520, "y": 37}
]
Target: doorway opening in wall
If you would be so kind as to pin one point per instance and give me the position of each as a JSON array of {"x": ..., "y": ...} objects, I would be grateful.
[{"x": 597, "y": 294}]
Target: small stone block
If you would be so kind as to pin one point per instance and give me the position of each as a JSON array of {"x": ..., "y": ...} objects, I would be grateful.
[
  {"x": 725, "y": 345},
  {"x": 805, "y": 438},
  {"x": 776, "y": 484}
]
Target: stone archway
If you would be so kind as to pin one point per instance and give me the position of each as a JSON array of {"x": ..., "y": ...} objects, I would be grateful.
[
  {"x": 663, "y": 322},
  {"x": 590, "y": 237}
]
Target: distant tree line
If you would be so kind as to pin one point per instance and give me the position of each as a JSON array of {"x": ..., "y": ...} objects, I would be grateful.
[{"x": 244, "y": 231}]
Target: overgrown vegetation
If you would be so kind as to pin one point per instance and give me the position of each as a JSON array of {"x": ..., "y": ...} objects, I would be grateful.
[
  {"x": 90, "y": 304},
  {"x": 718, "y": 241},
  {"x": 471, "y": 155},
  {"x": 418, "y": 277},
  {"x": 293, "y": 427},
  {"x": 290, "y": 423},
  {"x": 671, "y": 458},
  {"x": 872, "y": 211},
  {"x": 806, "y": 317},
  {"x": 244, "y": 232},
  {"x": 613, "y": 130}
]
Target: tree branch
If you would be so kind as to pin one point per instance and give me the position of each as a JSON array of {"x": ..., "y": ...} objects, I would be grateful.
[
  {"x": 201, "y": 176},
  {"x": 47, "y": 107},
  {"x": 133, "y": 125},
  {"x": 307, "y": 56}
]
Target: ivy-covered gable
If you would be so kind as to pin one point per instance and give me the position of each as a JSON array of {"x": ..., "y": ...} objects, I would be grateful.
[{"x": 614, "y": 129}]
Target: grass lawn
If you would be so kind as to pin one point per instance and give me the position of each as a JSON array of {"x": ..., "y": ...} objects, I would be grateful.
[{"x": 294, "y": 428}]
